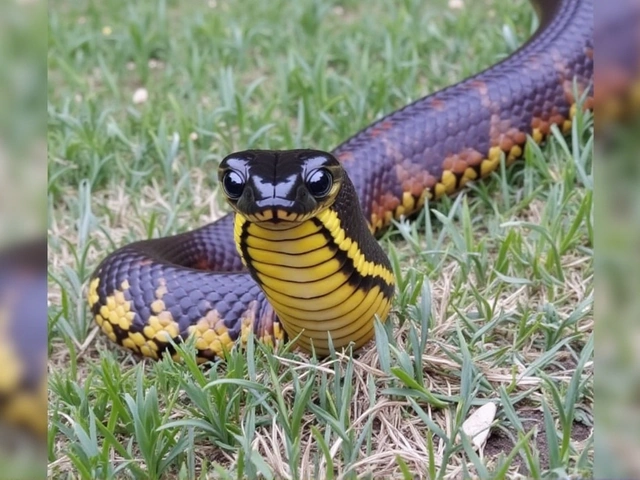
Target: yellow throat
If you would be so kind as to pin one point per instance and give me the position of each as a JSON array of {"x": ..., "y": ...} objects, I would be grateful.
[{"x": 318, "y": 279}]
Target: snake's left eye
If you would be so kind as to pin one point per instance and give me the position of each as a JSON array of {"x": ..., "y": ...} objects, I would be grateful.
[
  {"x": 233, "y": 184},
  {"x": 319, "y": 182}
]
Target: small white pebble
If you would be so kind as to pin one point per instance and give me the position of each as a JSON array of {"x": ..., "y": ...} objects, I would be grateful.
[
  {"x": 153, "y": 63},
  {"x": 456, "y": 4},
  {"x": 106, "y": 30},
  {"x": 131, "y": 66},
  {"x": 140, "y": 96},
  {"x": 78, "y": 97},
  {"x": 478, "y": 426},
  {"x": 193, "y": 136}
]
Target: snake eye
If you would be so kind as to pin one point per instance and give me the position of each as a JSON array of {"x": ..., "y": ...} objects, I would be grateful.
[
  {"x": 233, "y": 184},
  {"x": 319, "y": 182}
]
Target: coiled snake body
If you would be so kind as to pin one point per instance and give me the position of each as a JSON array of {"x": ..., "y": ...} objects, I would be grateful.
[{"x": 195, "y": 283}]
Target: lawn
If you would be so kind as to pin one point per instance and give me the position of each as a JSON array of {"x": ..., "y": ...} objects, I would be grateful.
[{"x": 495, "y": 287}]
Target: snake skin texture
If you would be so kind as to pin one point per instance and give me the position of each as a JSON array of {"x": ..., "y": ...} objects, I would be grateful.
[
  {"x": 438, "y": 143},
  {"x": 23, "y": 337},
  {"x": 194, "y": 284},
  {"x": 617, "y": 76}
]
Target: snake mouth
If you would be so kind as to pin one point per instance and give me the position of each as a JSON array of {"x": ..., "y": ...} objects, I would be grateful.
[
  {"x": 283, "y": 212},
  {"x": 277, "y": 218}
]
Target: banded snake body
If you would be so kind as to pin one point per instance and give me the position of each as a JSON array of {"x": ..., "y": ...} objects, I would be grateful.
[{"x": 315, "y": 269}]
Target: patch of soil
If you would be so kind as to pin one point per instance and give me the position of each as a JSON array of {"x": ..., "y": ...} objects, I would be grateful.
[{"x": 499, "y": 442}]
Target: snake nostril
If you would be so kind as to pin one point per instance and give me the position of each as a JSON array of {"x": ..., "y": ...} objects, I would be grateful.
[{"x": 302, "y": 194}]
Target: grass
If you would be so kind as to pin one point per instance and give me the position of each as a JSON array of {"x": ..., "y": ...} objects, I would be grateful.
[{"x": 495, "y": 287}]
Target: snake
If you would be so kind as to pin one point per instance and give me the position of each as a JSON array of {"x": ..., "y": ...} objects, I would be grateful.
[
  {"x": 23, "y": 338},
  {"x": 298, "y": 258}
]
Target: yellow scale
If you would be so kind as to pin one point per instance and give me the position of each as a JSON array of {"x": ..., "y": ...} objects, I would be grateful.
[{"x": 306, "y": 281}]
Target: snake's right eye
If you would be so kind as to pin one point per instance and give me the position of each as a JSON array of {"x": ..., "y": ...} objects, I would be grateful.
[{"x": 233, "y": 184}]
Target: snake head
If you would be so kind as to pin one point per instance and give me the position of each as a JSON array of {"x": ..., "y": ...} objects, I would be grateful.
[{"x": 280, "y": 186}]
